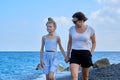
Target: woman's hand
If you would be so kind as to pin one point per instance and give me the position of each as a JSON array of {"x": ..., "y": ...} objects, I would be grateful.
[
  {"x": 42, "y": 63},
  {"x": 67, "y": 59}
]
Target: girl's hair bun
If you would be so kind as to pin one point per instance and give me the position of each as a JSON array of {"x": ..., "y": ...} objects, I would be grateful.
[{"x": 51, "y": 19}]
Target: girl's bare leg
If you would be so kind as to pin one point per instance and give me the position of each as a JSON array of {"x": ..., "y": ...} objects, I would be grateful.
[
  {"x": 47, "y": 76},
  {"x": 51, "y": 76}
]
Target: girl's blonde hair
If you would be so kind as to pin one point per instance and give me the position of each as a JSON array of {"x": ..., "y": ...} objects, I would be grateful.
[{"x": 50, "y": 20}]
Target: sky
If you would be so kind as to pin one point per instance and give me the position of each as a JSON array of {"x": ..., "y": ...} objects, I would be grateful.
[{"x": 22, "y": 22}]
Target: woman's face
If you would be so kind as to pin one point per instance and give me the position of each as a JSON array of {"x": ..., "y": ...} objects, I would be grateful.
[
  {"x": 50, "y": 27},
  {"x": 77, "y": 22}
]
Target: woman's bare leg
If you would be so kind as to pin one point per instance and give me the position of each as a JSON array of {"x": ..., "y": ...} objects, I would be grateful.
[
  {"x": 85, "y": 73},
  {"x": 74, "y": 71}
]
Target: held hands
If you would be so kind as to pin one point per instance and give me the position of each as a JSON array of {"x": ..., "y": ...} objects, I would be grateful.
[{"x": 67, "y": 59}]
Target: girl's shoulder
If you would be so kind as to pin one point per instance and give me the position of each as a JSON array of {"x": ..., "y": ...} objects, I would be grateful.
[
  {"x": 57, "y": 37},
  {"x": 44, "y": 37}
]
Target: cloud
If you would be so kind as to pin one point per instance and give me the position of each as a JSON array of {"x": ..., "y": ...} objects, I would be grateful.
[
  {"x": 61, "y": 21},
  {"x": 105, "y": 20},
  {"x": 107, "y": 15},
  {"x": 106, "y": 2}
]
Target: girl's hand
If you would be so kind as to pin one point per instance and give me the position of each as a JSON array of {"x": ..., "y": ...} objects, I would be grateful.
[
  {"x": 42, "y": 63},
  {"x": 67, "y": 59}
]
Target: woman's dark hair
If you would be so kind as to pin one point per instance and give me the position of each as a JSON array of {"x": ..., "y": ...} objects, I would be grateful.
[{"x": 79, "y": 16}]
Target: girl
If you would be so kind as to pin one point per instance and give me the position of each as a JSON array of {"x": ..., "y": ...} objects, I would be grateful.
[
  {"x": 49, "y": 59},
  {"x": 82, "y": 42}
]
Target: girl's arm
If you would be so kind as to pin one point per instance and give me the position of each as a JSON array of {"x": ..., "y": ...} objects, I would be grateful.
[
  {"x": 60, "y": 46},
  {"x": 93, "y": 43},
  {"x": 69, "y": 45},
  {"x": 42, "y": 49}
]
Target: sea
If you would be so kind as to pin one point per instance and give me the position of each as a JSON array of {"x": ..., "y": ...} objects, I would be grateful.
[{"x": 21, "y": 65}]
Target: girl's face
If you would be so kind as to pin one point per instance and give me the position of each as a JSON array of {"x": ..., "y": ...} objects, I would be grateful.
[{"x": 50, "y": 27}]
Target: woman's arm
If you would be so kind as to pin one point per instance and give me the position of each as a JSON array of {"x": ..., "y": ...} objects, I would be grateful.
[
  {"x": 60, "y": 46},
  {"x": 93, "y": 43},
  {"x": 69, "y": 45}
]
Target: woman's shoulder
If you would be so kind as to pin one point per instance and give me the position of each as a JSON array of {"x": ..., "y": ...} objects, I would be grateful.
[
  {"x": 71, "y": 28},
  {"x": 90, "y": 28}
]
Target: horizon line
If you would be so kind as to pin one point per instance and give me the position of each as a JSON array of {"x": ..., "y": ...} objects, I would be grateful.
[{"x": 57, "y": 51}]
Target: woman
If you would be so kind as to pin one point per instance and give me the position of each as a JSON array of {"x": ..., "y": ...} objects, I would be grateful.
[{"x": 81, "y": 44}]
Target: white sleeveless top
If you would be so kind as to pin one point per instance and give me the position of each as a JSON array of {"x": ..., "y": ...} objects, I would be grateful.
[
  {"x": 50, "y": 44},
  {"x": 81, "y": 41}
]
